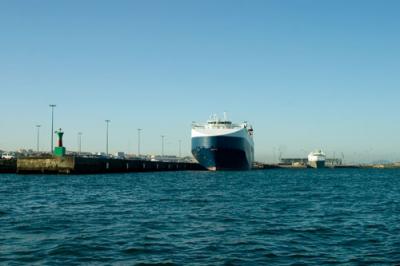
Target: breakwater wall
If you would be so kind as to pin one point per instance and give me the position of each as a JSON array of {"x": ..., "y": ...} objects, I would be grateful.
[
  {"x": 8, "y": 166},
  {"x": 90, "y": 165},
  {"x": 84, "y": 165}
]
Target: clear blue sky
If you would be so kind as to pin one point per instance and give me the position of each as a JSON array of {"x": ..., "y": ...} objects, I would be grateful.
[{"x": 307, "y": 74}]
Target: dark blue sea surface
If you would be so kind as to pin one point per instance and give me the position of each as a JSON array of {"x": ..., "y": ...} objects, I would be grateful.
[{"x": 266, "y": 217}]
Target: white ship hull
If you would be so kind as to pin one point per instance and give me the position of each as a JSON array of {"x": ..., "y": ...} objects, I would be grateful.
[{"x": 223, "y": 148}]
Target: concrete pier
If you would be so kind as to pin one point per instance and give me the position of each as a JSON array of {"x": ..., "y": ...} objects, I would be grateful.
[
  {"x": 93, "y": 165},
  {"x": 8, "y": 166},
  {"x": 83, "y": 165}
]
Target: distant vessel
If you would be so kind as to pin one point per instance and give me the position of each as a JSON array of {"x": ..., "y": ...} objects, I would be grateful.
[
  {"x": 316, "y": 159},
  {"x": 221, "y": 145}
]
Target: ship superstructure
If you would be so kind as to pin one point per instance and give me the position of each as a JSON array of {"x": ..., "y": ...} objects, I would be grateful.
[{"x": 220, "y": 144}]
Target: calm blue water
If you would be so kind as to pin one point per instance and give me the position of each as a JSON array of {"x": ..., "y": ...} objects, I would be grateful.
[{"x": 282, "y": 217}]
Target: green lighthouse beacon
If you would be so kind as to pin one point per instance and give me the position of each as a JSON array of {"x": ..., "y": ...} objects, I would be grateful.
[{"x": 59, "y": 151}]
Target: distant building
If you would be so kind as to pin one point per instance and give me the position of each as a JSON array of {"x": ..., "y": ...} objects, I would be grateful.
[
  {"x": 165, "y": 158},
  {"x": 120, "y": 154},
  {"x": 293, "y": 161}
]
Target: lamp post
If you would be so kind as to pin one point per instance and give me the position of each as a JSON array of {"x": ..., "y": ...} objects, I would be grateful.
[
  {"x": 138, "y": 145},
  {"x": 52, "y": 126},
  {"x": 107, "y": 122},
  {"x": 162, "y": 145},
  {"x": 37, "y": 137},
  {"x": 79, "y": 142},
  {"x": 180, "y": 144}
]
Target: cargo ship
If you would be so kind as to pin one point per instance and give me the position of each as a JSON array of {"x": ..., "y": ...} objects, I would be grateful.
[
  {"x": 316, "y": 159},
  {"x": 220, "y": 144}
]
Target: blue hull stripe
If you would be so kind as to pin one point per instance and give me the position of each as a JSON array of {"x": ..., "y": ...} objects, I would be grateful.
[{"x": 223, "y": 153}]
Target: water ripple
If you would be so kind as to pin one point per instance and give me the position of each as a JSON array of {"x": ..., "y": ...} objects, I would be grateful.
[{"x": 277, "y": 217}]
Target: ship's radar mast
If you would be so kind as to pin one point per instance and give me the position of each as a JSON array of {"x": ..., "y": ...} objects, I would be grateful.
[{"x": 225, "y": 117}]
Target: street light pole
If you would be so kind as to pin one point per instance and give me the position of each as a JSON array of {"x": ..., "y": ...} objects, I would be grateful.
[
  {"x": 79, "y": 142},
  {"x": 37, "y": 137},
  {"x": 52, "y": 126},
  {"x": 107, "y": 122},
  {"x": 138, "y": 147},
  {"x": 162, "y": 145},
  {"x": 180, "y": 154}
]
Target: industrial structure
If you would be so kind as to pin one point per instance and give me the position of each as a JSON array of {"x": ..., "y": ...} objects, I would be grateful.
[{"x": 329, "y": 162}]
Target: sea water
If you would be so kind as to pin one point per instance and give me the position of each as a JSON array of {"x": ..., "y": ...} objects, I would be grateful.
[{"x": 263, "y": 217}]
